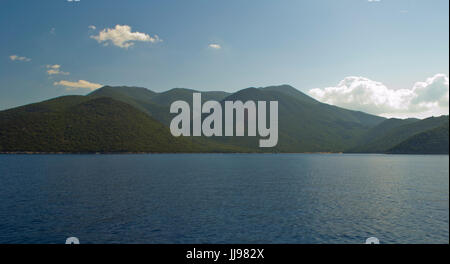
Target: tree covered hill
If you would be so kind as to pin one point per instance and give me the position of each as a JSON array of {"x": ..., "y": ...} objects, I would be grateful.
[
  {"x": 305, "y": 125},
  {"x": 81, "y": 124},
  {"x": 133, "y": 119},
  {"x": 433, "y": 141},
  {"x": 392, "y": 132}
]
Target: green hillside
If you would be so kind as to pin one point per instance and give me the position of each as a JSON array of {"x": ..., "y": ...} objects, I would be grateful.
[
  {"x": 154, "y": 104},
  {"x": 168, "y": 97},
  {"x": 133, "y": 119},
  {"x": 305, "y": 125},
  {"x": 434, "y": 141},
  {"x": 81, "y": 124},
  {"x": 140, "y": 98},
  {"x": 392, "y": 132}
]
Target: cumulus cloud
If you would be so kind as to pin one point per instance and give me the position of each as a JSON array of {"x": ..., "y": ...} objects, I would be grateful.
[
  {"x": 424, "y": 99},
  {"x": 121, "y": 36},
  {"x": 19, "y": 58},
  {"x": 81, "y": 84},
  {"x": 214, "y": 46},
  {"x": 55, "y": 70}
]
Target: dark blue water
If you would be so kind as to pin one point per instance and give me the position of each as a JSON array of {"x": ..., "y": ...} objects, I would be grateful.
[{"x": 224, "y": 198}]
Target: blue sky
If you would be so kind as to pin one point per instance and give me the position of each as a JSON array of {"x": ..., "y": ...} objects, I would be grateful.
[{"x": 229, "y": 45}]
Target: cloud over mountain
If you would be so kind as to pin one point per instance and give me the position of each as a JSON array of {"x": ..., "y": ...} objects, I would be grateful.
[
  {"x": 121, "y": 36},
  {"x": 81, "y": 84},
  {"x": 425, "y": 98}
]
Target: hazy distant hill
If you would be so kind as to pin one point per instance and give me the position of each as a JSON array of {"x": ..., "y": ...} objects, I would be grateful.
[
  {"x": 433, "y": 141},
  {"x": 133, "y": 119},
  {"x": 392, "y": 132}
]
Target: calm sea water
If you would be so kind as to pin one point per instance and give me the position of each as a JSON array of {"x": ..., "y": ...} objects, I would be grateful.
[{"x": 224, "y": 198}]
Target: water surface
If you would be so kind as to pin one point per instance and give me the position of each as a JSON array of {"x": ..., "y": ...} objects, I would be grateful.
[{"x": 224, "y": 198}]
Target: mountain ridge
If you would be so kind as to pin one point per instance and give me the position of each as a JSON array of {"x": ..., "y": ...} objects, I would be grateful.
[{"x": 305, "y": 124}]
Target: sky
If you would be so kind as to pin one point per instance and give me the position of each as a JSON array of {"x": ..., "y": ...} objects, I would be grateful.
[{"x": 384, "y": 57}]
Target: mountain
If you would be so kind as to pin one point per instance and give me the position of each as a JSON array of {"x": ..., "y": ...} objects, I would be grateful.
[
  {"x": 289, "y": 91},
  {"x": 390, "y": 133},
  {"x": 134, "y": 119},
  {"x": 305, "y": 125},
  {"x": 135, "y": 93},
  {"x": 137, "y": 97},
  {"x": 167, "y": 98},
  {"x": 433, "y": 141},
  {"x": 154, "y": 104},
  {"x": 83, "y": 124}
]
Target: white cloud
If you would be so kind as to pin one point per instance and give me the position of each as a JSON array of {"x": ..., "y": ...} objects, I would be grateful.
[
  {"x": 55, "y": 70},
  {"x": 81, "y": 84},
  {"x": 92, "y": 27},
  {"x": 214, "y": 46},
  {"x": 424, "y": 99},
  {"x": 121, "y": 36},
  {"x": 73, "y": 0},
  {"x": 373, "y": 1},
  {"x": 19, "y": 58}
]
